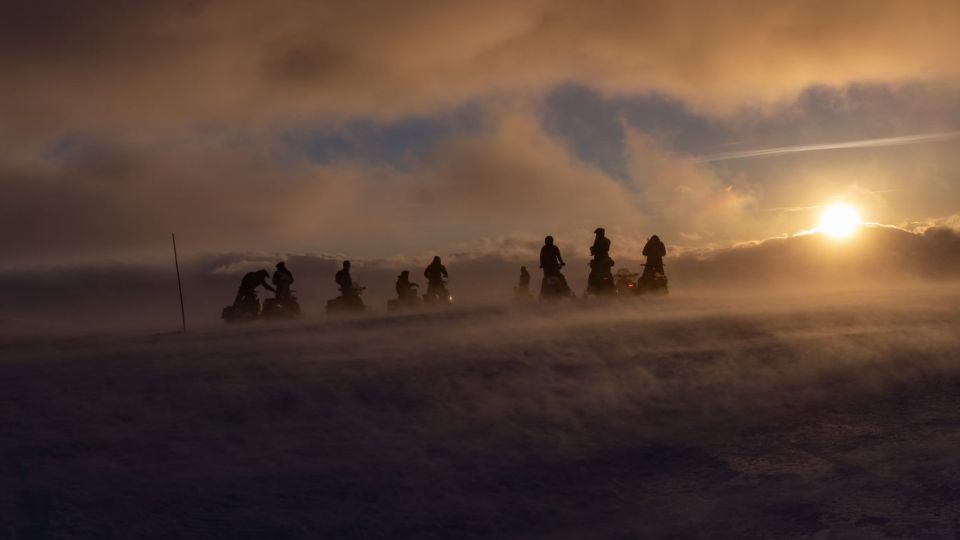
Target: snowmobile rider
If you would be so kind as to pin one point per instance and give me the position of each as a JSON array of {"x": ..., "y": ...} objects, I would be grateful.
[
  {"x": 655, "y": 251},
  {"x": 600, "y": 278},
  {"x": 524, "y": 285},
  {"x": 550, "y": 259},
  {"x": 345, "y": 282},
  {"x": 282, "y": 278},
  {"x": 601, "y": 245},
  {"x": 248, "y": 287},
  {"x": 405, "y": 289},
  {"x": 435, "y": 274}
]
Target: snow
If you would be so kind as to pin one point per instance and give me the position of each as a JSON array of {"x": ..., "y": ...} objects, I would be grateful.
[{"x": 715, "y": 417}]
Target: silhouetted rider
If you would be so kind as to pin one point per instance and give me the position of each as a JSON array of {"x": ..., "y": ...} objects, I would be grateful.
[
  {"x": 405, "y": 289},
  {"x": 282, "y": 278},
  {"x": 524, "y": 284},
  {"x": 550, "y": 259},
  {"x": 436, "y": 272},
  {"x": 247, "y": 294},
  {"x": 601, "y": 244},
  {"x": 344, "y": 280},
  {"x": 655, "y": 251}
]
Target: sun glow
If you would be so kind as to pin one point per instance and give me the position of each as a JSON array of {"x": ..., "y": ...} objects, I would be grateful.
[{"x": 839, "y": 220}]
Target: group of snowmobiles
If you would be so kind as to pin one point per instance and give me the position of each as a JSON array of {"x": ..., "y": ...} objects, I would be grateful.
[
  {"x": 247, "y": 307},
  {"x": 436, "y": 295},
  {"x": 624, "y": 283},
  {"x": 408, "y": 293},
  {"x": 601, "y": 283}
]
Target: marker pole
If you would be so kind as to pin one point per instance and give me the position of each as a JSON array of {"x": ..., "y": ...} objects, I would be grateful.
[{"x": 176, "y": 262}]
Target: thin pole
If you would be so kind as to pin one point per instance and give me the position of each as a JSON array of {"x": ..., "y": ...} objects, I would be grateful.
[{"x": 176, "y": 262}]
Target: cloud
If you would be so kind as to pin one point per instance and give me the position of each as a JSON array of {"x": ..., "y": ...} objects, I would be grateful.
[
  {"x": 115, "y": 198},
  {"x": 125, "y": 122},
  {"x": 682, "y": 194},
  {"x": 112, "y": 63},
  {"x": 951, "y": 222}
]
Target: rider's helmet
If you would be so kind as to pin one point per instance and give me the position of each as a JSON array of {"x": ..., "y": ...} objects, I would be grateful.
[
  {"x": 281, "y": 265},
  {"x": 548, "y": 240},
  {"x": 599, "y": 230},
  {"x": 436, "y": 260},
  {"x": 346, "y": 264}
]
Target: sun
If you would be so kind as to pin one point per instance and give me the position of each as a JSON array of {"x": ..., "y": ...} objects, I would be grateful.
[{"x": 839, "y": 220}]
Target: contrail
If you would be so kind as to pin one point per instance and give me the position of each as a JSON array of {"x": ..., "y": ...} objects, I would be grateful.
[{"x": 866, "y": 143}]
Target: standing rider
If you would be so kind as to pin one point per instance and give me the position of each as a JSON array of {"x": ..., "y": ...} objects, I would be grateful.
[
  {"x": 247, "y": 294},
  {"x": 601, "y": 244},
  {"x": 435, "y": 274},
  {"x": 282, "y": 278},
  {"x": 601, "y": 276},
  {"x": 550, "y": 259}
]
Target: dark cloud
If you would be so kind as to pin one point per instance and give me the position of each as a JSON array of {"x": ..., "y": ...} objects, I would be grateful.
[{"x": 110, "y": 63}]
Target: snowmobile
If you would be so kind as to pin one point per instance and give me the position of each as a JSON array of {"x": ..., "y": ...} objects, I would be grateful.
[
  {"x": 285, "y": 307},
  {"x": 625, "y": 282},
  {"x": 347, "y": 302},
  {"x": 411, "y": 302},
  {"x": 601, "y": 285},
  {"x": 243, "y": 310},
  {"x": 653, "y": 281},
  {"x": 521, "y": 294},
  {"x": 437, "y": 295},
  {"x": 600, "y": 281},
  {"x": 554, "y": 287}
]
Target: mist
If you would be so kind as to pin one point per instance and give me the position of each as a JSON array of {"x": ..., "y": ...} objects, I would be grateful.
[
  {"x": 749, "y": 416},
  {"x": 131, "y": 296},
  {"x": 776, "y": 386}
]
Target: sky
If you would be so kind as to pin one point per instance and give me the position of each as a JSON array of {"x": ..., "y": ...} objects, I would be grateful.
[{"x": 380, "y": 129}]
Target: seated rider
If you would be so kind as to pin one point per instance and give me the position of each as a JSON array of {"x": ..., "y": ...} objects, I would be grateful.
[
  {"x": 655, "y": 251},
  {"x": 550, "y": 259},
  {"x": 247, "y": 294},
  {"x": 282, "y": 278},
  {"x": 435, "y": 274},
  {"x": 345, "y": 282},
  {"x": 405, "y": 289}
]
